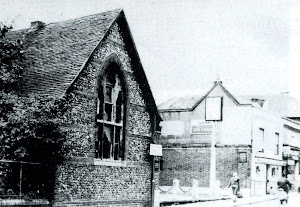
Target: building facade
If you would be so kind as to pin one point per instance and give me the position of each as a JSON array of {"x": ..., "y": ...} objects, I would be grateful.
[
  {"x": 92, "y": 62},
  {"x": 289, "y": 109},
  {"x": 248, "y": 141},
  {"x": 291, "y": 151}
]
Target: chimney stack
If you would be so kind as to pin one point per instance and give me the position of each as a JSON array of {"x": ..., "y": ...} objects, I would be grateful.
[
  {"x": 259, "y": 101},
  {"x": 36, "y": 25}
]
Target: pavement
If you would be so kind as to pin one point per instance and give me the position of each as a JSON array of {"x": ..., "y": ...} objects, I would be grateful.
[{"x": 254, "y": 201}]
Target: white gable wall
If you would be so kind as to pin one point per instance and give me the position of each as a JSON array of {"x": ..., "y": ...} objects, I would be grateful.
[{"x": 235, "y": 127}]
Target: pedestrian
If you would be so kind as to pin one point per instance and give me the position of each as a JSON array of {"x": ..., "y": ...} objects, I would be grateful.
[
  {"x": 234, "y": 183},
  {"x": 284, "y": 184}
]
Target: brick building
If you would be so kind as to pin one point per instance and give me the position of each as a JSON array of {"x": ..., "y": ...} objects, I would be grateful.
[
  {"x": 93, "y": 62},
  {"x": 248, "y": 141}
]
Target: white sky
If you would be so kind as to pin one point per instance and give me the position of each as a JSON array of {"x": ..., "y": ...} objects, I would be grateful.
[{"x": 184, "y": 45}]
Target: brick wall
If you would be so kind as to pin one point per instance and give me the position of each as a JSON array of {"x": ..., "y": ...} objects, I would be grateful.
[
  {"x": 117, "y": 183},
  {"x": 187, "y": 164},
  {"x": 227, "y": 162}
]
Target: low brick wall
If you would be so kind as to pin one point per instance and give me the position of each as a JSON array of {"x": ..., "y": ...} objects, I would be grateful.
[{"x": 187, "y": 164}]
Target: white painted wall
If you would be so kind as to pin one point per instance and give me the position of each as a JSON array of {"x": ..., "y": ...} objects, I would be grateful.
[{"x": 271, "y": 124}]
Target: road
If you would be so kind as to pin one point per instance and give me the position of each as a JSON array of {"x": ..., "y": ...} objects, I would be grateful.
[{"x": 294, "y": 201}]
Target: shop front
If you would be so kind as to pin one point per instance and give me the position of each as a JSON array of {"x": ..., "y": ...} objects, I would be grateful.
[
  {"x": 265, "y": 174},
  {"x": 291, "y": 170}
]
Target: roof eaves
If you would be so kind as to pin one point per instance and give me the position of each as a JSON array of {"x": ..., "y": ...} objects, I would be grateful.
[
  {"x": 291, "y": 120},
  {"x": 245, "y": 104},
  {"x": 92, "y": 53}
]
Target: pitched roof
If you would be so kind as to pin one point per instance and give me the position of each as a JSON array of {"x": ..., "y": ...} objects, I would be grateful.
[
  {"x": 180, "y": 103},
  {"x": 189, "y": 103},
  {"x": 283, "y": 104},
  {"x": 56, "y": 53}
]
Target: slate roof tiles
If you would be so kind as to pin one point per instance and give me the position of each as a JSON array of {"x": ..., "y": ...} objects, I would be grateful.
[{"x": 55, "y": 54}]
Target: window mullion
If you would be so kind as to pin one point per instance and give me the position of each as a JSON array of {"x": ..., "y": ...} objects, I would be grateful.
[
  {"x": 112, "y": 143},
  {"x": 103, "y": 112},
  {"x": 98, "y": 105},
  {"x": 121, "y": 144},
  {"x": 120, "y": 134}
]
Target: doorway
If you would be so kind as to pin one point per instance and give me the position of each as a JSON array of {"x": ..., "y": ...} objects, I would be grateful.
[{"x": 267, "y": 178}]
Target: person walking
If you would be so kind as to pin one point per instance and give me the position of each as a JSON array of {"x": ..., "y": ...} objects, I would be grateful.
[
  {"x": 234, "y": 183},
  {"x": 284, "y": 184},
  {"x": 284, "y": 187}
]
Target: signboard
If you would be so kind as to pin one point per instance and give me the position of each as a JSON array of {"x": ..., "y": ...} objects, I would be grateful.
[
  {"x": 200, "y": 139},
  {"x": 242, "y": 157},
  {"x": 213, "y": 108},
  {"x": 172, "y": 128},
  {"x": 156, "y": 165},
  {"x": 156, "y": 149},
  {"x": 200, "y": 127}
]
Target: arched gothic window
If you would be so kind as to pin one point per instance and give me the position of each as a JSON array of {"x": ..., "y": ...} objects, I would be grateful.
[{"x": 111, "y": 115}]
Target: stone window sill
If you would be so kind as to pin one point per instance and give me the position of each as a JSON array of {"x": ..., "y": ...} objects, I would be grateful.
[
  {"x": 95, "y": 161},
  {"x": 117, "y": 163}
]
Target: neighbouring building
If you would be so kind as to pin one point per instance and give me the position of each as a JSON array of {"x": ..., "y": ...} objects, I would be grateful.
[
  {"x": 291, "y": 151},
  {"x": 289, "y": 109},
  {"x": 248, "y": 141},
  {"x": 93, "y": 62}
]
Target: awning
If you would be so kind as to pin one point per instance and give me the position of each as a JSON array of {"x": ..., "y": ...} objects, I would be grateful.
[{"x": 262, "y": 160}]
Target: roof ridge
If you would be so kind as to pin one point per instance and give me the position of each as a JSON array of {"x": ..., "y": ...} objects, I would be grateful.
[
  {"x": 69, "y": 20},
  {"x": 82, "y": 17}
]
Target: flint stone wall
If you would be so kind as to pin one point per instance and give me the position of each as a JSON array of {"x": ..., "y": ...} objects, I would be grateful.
[{"x": 84, "y": 181}]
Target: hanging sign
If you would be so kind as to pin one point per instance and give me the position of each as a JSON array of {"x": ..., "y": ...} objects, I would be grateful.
[
  {"x": 213, "y": 108},
  {"x": 156, "y": 149}
]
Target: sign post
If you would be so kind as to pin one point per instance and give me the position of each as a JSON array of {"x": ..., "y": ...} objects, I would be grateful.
[
  {"x": 213, "y": 113},
  {"x": 212, "y": 174},
  {"x": 155, "y": 152}
]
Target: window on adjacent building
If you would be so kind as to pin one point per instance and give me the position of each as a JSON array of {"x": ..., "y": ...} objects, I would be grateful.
[
  {"x": 277, "y": 143},
  {"x": 110, "y": 116},
  {"x": 284, "y": 171},
  {"x": 261, "y": 135},
  {"x": 242, "y": 157},
  {"x": 273, "y": 171}
]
